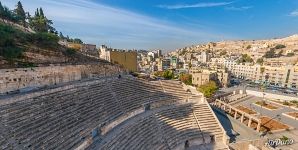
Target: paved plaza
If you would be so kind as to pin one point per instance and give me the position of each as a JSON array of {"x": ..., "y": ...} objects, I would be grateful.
[{"x": 275, "y": 114}]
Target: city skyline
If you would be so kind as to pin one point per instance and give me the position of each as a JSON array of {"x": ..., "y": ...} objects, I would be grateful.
[{"x": 168, "y": 24}]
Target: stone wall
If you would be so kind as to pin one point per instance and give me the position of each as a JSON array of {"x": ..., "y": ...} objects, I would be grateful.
[
  {"x": 28, "y": 78},
  {"x": 126, "y": 59}
]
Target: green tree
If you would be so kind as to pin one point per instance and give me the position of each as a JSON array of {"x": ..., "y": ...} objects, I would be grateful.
[
  {"x": 37, "y": 12},
  {"x": 186, "y": 78},
  {"x": 70, "y": 51},
  {"x": 1, "y": 10},
  {"x": 280, "y": 46},
  {"x": 61, "y": 35},
  {"x": 8, "y": 15},
  {"x": 260, "y": 61},
  {"x": 79, "y": 41},
  {"x": 208, "y": 89},
  {"x": 40, "y": 23},
  {"x": 262, "y": 70},
  {"x": 168, "y": 74},
  {"x": 41, "y": 14},
  {"x": 222, "y": 53},
  {"x": 20, "y": 13},
  {"x": 45, "y": 40},
  {"x": 290, "y": 54},
  {"x": 158, "y": 73},
  {"x": 189, "y": 65},
  {"x": 245, "y": 58},
  {"x": 270, "y": 53},
  {"x": 9, "y": 40},
  {"x": 248, "y": 47}
]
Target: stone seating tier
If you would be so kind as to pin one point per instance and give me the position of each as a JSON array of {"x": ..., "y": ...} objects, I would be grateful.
[{"x": 65, "y": 119}]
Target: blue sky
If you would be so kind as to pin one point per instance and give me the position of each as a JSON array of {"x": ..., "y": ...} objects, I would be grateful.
[{"x": 167, "y": 24}]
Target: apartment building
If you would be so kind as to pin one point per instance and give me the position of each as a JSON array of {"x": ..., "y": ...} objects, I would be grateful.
[
  {"x": 202, "y": 76},
  {"x": 230, "y": 63},
  {"x": 223, "y": 77},
  {"x": 204, "y": 57},
  {"x": 216, "y": 62},
  {"x": 284, "y": 76}
]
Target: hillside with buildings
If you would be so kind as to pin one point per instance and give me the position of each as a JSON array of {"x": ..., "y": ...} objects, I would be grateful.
[
  {"x": 256, "y": 48},
  {"x": 269, "y": 62}
]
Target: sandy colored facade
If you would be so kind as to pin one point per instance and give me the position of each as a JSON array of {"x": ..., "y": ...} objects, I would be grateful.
[
  {"x": 126, "y": 59},
  {"x": 203, "y": 76},
  {"x": 285, "y": 76}
]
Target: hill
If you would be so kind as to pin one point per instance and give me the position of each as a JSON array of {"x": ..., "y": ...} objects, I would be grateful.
[
  {"x": 244, "y": 46},
  {"x": 31, "y": 40},
  {"x": 26, "y": 49}
]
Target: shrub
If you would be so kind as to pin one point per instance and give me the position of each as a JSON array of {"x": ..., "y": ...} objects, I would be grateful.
[
  {"x": 245, "y": 58},
  {"x": 280, "y": 46},
  {"x": 208, "y": 89},
  {"x": 45, "y": 40},
  {"x": 11, "y": 53},
  {"x": 270, "y": 53},
  {"x": 260, "y": 61},
  {"x": 158, "y": 73},
  {"x": 27, "y": 64},
  {"x": 222, "y": 53},
  {"x": 70, "y": 51},
  {"x": 168, "y": 74},
  {"x": 290, "y": 54},
  {"x": 286, "y": 103},
  {"x": 186, "y": 78},
  {"x": 262, "y": 103}
]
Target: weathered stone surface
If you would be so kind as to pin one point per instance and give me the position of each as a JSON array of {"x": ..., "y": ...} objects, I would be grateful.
[{"x": 20, "y": 78}]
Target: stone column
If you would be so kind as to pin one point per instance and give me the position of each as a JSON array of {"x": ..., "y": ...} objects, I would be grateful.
[
  {"x": 259, "y": 126},
  {"x": 216, "y": 103},
  {"x": 230, "y": 111},
  {"x": 242, "y": 118},
  {"x": 235, "y": 115},
  {"x": 249, "y": 121}
]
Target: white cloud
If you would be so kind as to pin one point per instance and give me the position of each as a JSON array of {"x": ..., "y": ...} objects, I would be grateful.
[
  {"x": 294, "y": 13},
  {"x": 197, "y": 5},
  {"x": 98, "y": 24},
  {"x": 242, "y": 8}
]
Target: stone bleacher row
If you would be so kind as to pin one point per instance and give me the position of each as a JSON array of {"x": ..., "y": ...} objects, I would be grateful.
[
  {"x": 166, "y": 129},
  {"x": 64, "y": 119}
]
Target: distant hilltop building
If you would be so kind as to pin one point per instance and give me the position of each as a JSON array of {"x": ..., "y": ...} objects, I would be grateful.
[
  {"x": 155, "y": 54},
  {"x": 89, "y": 49},
  {"x": 76, "y": 46},
  {"x": 127, "y": 59}
]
